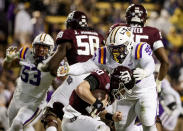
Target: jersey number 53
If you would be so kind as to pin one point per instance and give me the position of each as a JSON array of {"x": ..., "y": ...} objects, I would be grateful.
[{"x": 26, "y": 77}]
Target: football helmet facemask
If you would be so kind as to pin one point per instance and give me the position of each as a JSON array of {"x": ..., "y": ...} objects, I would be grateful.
[
  {"x": 76, "y": 20},
  {"x": 43, "y": 45},
  {"x": 136, "y": 13},
  {"x": 122, "y": 81},
  {"x": 119, "y": 43}
]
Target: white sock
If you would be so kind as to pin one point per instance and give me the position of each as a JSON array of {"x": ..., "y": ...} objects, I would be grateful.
[{"x": 51, "y": 128}]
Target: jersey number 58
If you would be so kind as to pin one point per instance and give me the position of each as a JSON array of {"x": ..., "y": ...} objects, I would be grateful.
[{"x": 88, "y": 48}]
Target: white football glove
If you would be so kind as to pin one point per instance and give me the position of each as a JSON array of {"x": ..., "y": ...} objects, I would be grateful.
[
  {"x": 158, "y": 85},
  {"x": 139, "y": 74},
  {"x": 11, "y": 53},
  {"x": 63, "y": 70}
]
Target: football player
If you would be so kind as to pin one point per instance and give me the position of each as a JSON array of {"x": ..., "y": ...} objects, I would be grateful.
[
  {"x": 136, "y": 16},
  {"x": 141, "y": 101},
  {"x": 170, "y": 105},
  {"x": 78, "y": 43},
  {"x": 89, "y": 99},
  {"x": 32, "y": 85}
]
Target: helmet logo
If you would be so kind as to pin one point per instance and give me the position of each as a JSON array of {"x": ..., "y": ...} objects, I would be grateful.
[
  {"x": 71, "y": 15},
  {"x": 128, "y": 33},
  {"x": 125, "y": 76},
  {"x": 107, "y": 86},
  {"x": 83, "y": 22},
  {"x": 124, "y": 30}
]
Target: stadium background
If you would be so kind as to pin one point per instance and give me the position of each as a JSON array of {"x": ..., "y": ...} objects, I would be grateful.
[{"x": 22, "y": 20}]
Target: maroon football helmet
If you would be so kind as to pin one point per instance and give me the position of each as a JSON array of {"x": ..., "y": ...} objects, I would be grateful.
[
  {"x": 136, "y": 13},
  {"x": 122, "y": 81},
  {"x": 76, "y": 20}
]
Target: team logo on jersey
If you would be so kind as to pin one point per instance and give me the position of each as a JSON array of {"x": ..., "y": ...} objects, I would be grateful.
[
  {"x": 69, "y": 80},
  {"x": 107, "y": 86}
]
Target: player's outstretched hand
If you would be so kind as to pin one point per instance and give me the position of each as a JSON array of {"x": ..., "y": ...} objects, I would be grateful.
[
  {"x": 63, "y": 70},
  {"x": 11, "y": 53}
]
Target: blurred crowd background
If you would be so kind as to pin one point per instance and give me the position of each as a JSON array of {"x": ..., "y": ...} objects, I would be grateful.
[{"x": 22, "y": 20}]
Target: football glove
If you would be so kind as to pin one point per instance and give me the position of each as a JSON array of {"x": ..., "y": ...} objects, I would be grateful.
[
  {"x": 63, "y": 70},
  {"x": 139, "y": 74},
  {"x": 158, "y": 85},
  {"x": 11, "y": 53}
]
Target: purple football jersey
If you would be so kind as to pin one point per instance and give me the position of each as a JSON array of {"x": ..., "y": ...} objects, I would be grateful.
[{"x": 84, "y": 44}]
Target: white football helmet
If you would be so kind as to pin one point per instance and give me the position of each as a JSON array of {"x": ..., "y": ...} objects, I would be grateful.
[
  {"x": 120, "y": 42},
  {"x": 45, "y": 40}
]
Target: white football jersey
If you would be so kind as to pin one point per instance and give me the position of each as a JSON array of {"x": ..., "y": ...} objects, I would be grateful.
[
  {"x": 140, "y": 56},
  {"x": 32, "y": 84}
]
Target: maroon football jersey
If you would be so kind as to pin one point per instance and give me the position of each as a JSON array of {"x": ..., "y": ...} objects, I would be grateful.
[
  {"x": 104, "y": 83},
  {"x": 84, "y": 43},
  {"x": 143, "y": 34}
]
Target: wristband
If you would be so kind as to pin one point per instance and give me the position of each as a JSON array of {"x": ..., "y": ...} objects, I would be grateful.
[
  {"x": 98, "y": 104},
  {"x": 108, "y": 116}
]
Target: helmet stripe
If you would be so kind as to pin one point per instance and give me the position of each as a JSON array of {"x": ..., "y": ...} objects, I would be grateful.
[
  {"x": 111, "y": 35},
  {"x": 41, "y": 36},
  {"x": 44, "y": 37},
  {"x": 115, "y": 34}
]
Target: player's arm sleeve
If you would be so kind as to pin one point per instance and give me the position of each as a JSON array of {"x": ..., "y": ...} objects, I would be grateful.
[
  {"x": 93, "y": 81},
  {"x": 157, "y": 39},
  {"x": 158, "y": 44},
  {"x": 64, "y": 36},
  {"x": 82, "y": 67},
  {"x": 146, "y": 60}
]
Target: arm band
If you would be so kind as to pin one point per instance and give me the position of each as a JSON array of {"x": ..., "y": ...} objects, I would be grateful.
[
  {"x": 98, "y": 104},
  {"x": 109, "y": 116}
]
